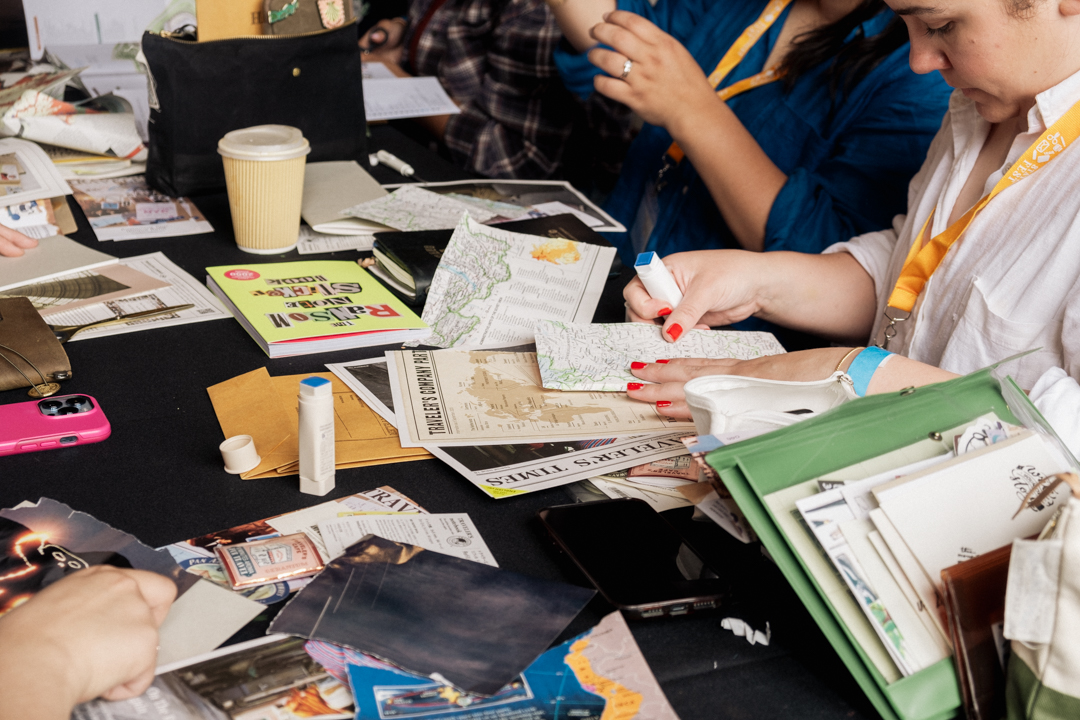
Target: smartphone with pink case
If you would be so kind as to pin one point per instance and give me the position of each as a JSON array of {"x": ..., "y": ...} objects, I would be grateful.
[{"x": 52, "y": 423}]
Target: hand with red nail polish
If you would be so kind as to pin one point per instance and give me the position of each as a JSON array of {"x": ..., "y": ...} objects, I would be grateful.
[
  {"x": 663, "y": 361},
  {"x": 664, "y": 312},
  {"x": 636, "y": 365},
  {"x": 663, "y": 403},
  {"x": 634, "y": 386},
  {"x": 674, "y": 330}
]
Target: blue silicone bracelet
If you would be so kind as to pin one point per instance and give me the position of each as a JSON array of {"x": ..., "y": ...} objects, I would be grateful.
[{"x": 864, "y": 366}]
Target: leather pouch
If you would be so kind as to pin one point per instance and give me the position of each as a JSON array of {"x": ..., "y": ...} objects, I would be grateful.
[
  {"x": 24, "y": 331},
  {"x": 729, "y": 403}
]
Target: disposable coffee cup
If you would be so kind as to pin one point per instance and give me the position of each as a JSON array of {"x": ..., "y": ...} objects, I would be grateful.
[{"x": 264, "y": 173}]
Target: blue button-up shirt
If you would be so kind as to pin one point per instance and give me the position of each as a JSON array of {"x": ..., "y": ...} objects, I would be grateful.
[{"x": 848, "y": 160}]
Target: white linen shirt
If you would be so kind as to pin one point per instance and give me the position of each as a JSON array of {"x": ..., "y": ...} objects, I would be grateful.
[{"x": 1012, "y": 282}]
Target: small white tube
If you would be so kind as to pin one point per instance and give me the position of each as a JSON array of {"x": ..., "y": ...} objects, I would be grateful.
[
  {"x": 395, "y": 163},
  {"x": 316, "y": 436},
  {"x": 657, "y": 279}
]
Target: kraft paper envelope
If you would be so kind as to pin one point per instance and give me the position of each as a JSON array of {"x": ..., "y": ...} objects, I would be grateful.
[
  {"x": 267, "y": 409},
  {"x": 247, "y": 405}
]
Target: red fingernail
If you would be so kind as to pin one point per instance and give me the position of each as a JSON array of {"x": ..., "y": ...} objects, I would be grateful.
[
  {"x": 663, "y": 362},
  {"x": 675, "y": 331},
  {"x": 662, "y": 403},
  {"x": 637, "y": 365},
  {"x": 634, "y": 386},
  {"x": 665, "y": 312}
]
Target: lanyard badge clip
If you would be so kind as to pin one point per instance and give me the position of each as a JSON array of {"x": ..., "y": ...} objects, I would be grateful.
[
  {"x": 889, "y": 331},
  {"x": 669, "y": 164}
]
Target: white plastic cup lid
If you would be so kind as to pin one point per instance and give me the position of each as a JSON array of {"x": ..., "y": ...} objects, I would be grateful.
[
  {"x": 239, "y": 454},
  {"x": 264, "y": 142}
]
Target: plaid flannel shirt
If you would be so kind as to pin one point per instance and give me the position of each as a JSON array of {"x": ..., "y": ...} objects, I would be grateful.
[{"x": 494, "y": 58}]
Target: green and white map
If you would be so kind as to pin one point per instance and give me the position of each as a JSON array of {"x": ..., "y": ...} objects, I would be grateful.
[
  {"x": 597, "y": 358},
  {"x": 492, "y": 285},
  {"x": 413, "y": 208}
]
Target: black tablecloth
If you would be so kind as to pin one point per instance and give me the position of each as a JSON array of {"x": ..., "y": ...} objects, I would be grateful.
[{"x": 160, "y": 477}]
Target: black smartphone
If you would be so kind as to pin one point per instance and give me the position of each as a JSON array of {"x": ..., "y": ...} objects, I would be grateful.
[{"x": 635, "y": 558}]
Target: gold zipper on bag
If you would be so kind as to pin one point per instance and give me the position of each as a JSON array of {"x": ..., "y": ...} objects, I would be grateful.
[{"x": 173, "y": 36}]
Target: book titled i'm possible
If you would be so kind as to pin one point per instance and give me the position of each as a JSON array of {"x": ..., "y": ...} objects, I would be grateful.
[{"x": 298, "y": 308}]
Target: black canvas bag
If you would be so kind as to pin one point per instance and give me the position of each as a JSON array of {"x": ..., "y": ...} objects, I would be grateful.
[{"x": 200, "y": 91}]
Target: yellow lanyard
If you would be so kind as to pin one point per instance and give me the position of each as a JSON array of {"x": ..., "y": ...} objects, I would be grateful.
[
  {"x": 734, "y": 56},
  {"x": 923, "y": 260}
]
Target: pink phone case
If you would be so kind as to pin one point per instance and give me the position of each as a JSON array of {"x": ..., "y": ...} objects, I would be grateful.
[{"x": 51, "y": 423}]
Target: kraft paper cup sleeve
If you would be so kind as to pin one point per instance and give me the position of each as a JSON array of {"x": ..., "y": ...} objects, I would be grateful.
[
  {"x": 264, "y": 174},
  {"x": 239, "y": 454}
]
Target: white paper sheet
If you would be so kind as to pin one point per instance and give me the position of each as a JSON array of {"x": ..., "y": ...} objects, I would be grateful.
[
  {"x": 311, "y": 242},
  {"x": 413, "y": 208},
  {"x": 399, "y": 98},
  {"x": 379, "y": 500},
  {"x": 183, "y": 289},
  {"x": 27, "y": 174},
  {"x": 965, "y": 508},
  {"x": 657, "y": 501},
  {"x": 375, "y": 71},
  {"x": 446, "y": 533},
  {"x": 491, "y": 286}
]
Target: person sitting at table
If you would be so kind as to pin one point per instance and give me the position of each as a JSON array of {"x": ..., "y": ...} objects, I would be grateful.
[
  {"x": 92, "y": 634},
  {"x": 13, "y": 243},
  {"x": 494, "y": 59},
  {"x": 1000, "y": 185},
  {"x": 818, "y": 127}
]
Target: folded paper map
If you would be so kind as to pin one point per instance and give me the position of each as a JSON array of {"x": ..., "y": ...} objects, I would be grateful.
[
  {"x": 597, "y": 358},
  {"x": 413, "y": 208},
  {"x": 477, "y": 397},
  {"x": 491, "y": 285}
]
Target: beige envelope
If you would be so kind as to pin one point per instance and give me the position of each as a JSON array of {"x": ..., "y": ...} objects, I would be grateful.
[{"x": 266, "y": 408}]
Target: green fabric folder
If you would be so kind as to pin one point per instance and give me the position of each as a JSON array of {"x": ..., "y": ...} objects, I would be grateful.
[{"x": 852, "y": 433}]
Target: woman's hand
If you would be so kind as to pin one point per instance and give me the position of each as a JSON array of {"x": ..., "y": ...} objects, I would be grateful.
[
  {"x": 828, "y": 295},
  {"x": 719, "y": 287},
  {"x": 671, "y": 377},
  {"x": 92, "y": 634},
  {"x": 13, "y": 243},
  {"x": 383, "y": 43},
  {"x": 665, "y": 85}
]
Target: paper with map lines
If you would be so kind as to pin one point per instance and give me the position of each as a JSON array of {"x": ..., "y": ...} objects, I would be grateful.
[
  {"x": 484, "y": 397},
  {"x": 492, "y": 285},
  {"x": 413, "y": 208},
  {"x": 597, "y": 357}
]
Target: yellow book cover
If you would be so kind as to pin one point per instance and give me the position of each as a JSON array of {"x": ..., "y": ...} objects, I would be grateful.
[{"x": 296, "y": 308}]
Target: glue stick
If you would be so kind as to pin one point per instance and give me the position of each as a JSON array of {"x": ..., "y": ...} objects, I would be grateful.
[
  {"x": 657, "y": 279},
  {"x": 316, "y": 436}
]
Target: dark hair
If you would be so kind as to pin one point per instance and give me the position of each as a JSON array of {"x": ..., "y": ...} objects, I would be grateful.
[{"x": 850, "y": 61}]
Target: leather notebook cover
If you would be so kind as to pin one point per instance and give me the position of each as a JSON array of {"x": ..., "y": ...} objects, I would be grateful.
[
  {"x": 974, "y": 604},
  {"x": 22, "y": 330}
]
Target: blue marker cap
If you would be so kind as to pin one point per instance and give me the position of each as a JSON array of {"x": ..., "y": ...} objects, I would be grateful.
[{"x": 644, "y": 258}]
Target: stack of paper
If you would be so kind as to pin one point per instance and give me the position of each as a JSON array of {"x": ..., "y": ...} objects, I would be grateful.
[
  {"x": 197, "y": 555},
  {"x": 890, "y": 525},
  {"x": 32, "y": 192}
]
